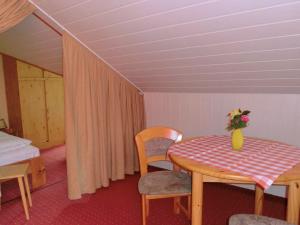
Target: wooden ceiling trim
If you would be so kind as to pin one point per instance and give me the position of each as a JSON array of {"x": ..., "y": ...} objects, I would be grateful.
[{"x": 47, "y": 24}]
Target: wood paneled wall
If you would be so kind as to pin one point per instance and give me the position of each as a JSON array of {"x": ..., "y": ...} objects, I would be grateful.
[
  {"x": 35, "y": 102},
  {"x": 12, "y": 94},
  {"x": 32, "y": 100},
  {"x": 54, "y": 87}
]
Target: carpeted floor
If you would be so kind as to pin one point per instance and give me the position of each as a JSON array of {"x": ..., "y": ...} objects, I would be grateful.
[{"x": 120, "y": 203}]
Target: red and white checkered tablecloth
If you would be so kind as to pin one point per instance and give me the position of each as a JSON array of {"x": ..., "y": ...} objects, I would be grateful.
[{"x": 261, "y": 160}]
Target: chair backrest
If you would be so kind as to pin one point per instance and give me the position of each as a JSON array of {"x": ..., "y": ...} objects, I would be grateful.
[{"x": 152, "y": 144}]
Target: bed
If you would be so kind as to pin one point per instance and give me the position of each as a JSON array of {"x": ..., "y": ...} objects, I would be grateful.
[{"x": 17, "y": 150}]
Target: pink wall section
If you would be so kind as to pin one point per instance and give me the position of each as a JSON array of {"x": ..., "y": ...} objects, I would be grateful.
[{"x": 273, "y": 116}]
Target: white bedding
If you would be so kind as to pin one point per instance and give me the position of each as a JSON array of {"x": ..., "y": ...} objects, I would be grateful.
[
  {"x": 14, "y": 149},
  {"x": 8, "y": 142},
  {"x": 18, "y": 154}
]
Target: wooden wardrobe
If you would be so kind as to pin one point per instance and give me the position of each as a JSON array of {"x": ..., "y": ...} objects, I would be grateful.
[{"x": 41, "y": 103}]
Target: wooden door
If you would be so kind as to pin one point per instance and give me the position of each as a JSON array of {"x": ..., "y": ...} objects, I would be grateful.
[
  {"x": 55, "y": 108},
  {"x": 33, "y": 110},
  {"x": 33, "y": 106}
]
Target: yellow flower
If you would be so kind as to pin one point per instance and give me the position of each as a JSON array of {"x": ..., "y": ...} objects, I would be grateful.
[{"x": 235, "y": 113}]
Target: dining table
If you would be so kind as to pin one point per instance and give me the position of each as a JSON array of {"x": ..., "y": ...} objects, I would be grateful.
[{"x": 260, "y": 162}]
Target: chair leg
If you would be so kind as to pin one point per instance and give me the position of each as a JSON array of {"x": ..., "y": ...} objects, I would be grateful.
[
  {"x": 147, "y": 206},
  {"x": 28, "y": 190},
  {"x": 189, "y": 207},
  {"x": 144, "y": 210},
  {"x": 176, "y": 205},
  {"x": 21, "y": 186},
  {"x": 176, "y": 199}
]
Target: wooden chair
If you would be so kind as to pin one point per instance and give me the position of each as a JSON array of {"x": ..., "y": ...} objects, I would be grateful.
[
  {"x": 152, "y": 144},
  {"x": 19, "y": 172}
]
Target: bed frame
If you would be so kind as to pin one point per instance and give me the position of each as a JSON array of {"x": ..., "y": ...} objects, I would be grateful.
[{"x": 38, "y": 171}]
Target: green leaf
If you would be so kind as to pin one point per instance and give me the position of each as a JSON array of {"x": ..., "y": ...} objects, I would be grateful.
[{"x": 246, "y": 112}]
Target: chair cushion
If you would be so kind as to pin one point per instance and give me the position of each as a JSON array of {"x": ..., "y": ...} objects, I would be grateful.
[
  {"x": 157, "y": 146},
  {"x": 251, "y": 219},
  {"x": 165, "y": 182}
]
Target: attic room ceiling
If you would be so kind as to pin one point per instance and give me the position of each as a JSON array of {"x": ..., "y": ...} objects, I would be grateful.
[
  {"x": 34, "y": 42},
  {"x": 192, "y": 45}
]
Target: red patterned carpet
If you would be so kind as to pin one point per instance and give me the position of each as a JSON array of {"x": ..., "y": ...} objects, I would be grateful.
[{"x": 120, "y": 203}]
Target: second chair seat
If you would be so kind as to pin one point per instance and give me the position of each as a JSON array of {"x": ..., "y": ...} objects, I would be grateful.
[
  {"x": 251, "y": 219},
  {"x": 165, "y": 182}
]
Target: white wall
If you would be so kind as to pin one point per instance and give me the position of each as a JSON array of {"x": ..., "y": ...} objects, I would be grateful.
[
  {"x": 3, "y": 105},
  {"x": 273, "y": 116}
]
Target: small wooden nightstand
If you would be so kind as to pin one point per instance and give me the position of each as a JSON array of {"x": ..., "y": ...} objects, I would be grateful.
[{"x": 18, "y": 171}]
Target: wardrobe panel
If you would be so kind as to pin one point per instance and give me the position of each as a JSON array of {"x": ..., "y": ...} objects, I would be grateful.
[
  {"x": 48, "y": 74},
  {"x": 27, "y": 70},
  {"x": 55, "y": 109},
  {"x": 33, "y": 110}
]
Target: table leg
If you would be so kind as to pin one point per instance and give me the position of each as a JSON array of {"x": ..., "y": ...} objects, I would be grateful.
[
  {"x": 293, "y": 203},
  {"x": 197, "y": 198},
  {"x": 259, "y": 200},
  {"x": 23, "y": 196}
]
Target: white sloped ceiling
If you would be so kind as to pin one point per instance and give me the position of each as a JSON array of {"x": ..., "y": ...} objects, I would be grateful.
[
  {"x": 34, "y": 42},
  {"x": 250, "y": 46}
]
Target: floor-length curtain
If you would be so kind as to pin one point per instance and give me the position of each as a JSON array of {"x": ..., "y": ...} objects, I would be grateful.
[
  {"x": 13, "y": 12},
  {"x": 103, "y": 113},
  {"x": 132, "y": 105}
]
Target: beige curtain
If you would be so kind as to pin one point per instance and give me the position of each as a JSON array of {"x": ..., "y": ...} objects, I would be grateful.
[
  {"x": 13, "y": 12},
  {"x": 103, "y": 114}
]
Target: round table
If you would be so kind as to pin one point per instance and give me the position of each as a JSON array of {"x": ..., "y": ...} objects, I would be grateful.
[{"x": 203, "y": 173}]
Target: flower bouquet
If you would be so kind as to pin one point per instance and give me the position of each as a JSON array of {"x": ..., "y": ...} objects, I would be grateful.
[{"x": 238, "y": 119}]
